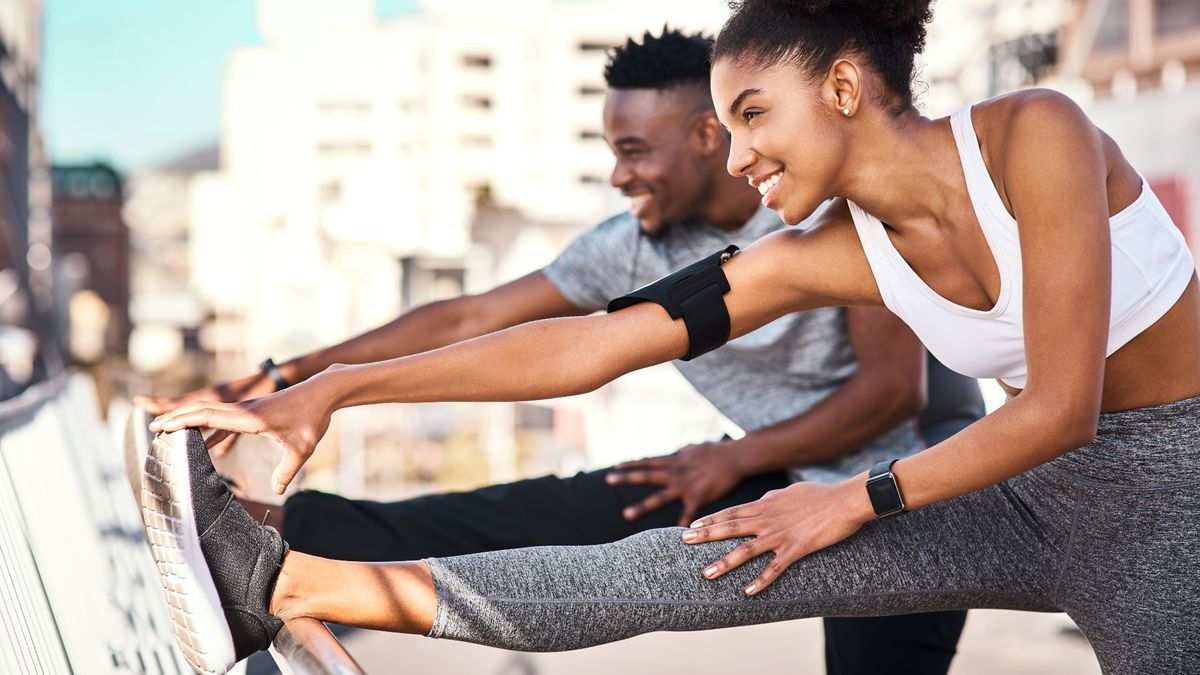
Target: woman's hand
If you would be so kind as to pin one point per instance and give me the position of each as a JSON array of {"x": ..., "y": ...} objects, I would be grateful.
[
  {"x": 695, "y": 475},
  {"x": 295, "y": 418},
  {"x": 789, "y": 523}
]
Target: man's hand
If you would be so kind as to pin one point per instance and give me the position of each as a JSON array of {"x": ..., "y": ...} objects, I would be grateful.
[
  {"x": 695, "y": 475},
  {"x": 241, "y": 389}
]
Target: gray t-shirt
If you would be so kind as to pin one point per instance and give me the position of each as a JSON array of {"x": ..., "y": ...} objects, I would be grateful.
[{"x": 764, "y": 377}]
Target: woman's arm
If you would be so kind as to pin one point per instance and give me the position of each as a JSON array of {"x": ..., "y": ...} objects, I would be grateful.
[
  {"x": 784, "y": 272},
  {"x": 1061, "y": 207}
]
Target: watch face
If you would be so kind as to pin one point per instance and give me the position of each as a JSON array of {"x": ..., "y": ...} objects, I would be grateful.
[{"x": 884, "y": 494}]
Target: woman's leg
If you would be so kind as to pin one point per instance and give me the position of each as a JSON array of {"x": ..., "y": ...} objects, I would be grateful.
[
  {"x": 1001, "y": 547},
  {"x": 1133, "y": 580}
]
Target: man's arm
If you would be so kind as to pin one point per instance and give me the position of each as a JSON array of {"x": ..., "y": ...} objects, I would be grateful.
[
  {"x": 441, "y": 323},
  {"x": 888, "y": 388},
  {"x": 430, "y": 326}
]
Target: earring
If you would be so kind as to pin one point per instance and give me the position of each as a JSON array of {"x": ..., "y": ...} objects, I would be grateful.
[{"x": 845, "y": 112}]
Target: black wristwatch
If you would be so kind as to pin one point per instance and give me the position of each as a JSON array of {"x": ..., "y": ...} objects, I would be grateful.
[
  {"x": 272, "y": 371},
  {"x": 884, "y": 491}
]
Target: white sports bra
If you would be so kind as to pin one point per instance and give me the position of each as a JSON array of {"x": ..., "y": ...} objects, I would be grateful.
[{"x": 1152, "y": 267}]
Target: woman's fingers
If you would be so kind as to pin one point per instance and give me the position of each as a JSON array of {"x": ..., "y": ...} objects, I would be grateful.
[
  {"x": 779, "y": 562},
  {"x": 226, "y": 416},
  {"x": 730, "y": 529},
  {"x": 289, "y": 465},
  {"x": 741, "y": 554},
  {"x": 738, "y": 512}
]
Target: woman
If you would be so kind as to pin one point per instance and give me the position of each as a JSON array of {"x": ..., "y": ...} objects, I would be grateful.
[{"x": 1013, "y": 237}]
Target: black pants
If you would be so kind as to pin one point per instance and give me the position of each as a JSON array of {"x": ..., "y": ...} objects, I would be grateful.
[{"x": 584, "y": 509}]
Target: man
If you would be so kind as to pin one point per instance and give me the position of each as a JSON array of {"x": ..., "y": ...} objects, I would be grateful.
[{"x": 821, "y": 394}]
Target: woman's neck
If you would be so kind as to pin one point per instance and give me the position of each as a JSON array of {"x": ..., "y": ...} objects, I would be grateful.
[{"x": 904, "y": 171}]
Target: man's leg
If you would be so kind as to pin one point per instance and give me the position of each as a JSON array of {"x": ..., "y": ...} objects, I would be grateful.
[
  {"x": 908, "y": 644},
  {"x": 576, "y": 510}
]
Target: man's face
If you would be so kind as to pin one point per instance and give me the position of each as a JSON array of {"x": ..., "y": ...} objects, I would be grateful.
[{"x": 660, "y": 164}]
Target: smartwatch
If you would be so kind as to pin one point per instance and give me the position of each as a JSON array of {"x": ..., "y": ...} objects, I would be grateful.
[
  {"x": 272, "y": 371},
  {"x": 884, "y": 491}
]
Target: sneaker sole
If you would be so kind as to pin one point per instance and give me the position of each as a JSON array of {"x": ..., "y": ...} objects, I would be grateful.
[
  {"x": 197, "y": 619},
  {"x": 137, "y": 445}
]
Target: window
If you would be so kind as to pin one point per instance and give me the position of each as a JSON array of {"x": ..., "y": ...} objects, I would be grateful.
[
  {"x": 480, "y": 61},
  {"x": 590, "y": 135},
  {"x": 1114, "y": 27},
  {"x": 591, "y": 90},
  {"x": 591, "y": 179},
  {"x": 1176, "y": 16},
  {"x": 477, "y": 141},
  {"x": 343, "y": 107},
  {"x": 594, "y": 46},
  {"x": 344, "y": 148},
  {"x": 477, "y": 101}
]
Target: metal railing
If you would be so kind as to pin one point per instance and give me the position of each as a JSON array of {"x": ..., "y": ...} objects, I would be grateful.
[{"x": 79, "y": 592}]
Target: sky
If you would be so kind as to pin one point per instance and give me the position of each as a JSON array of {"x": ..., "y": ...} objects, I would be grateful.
[{"x": 136, "y": 83}]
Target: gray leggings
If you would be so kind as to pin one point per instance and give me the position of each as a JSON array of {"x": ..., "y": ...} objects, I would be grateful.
[{"x": 1109, "y": 533}]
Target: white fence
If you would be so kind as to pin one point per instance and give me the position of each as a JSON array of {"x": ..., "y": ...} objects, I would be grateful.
[{"x": 79, "y": 592}]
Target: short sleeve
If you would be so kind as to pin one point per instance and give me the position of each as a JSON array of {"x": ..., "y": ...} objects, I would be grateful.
[{"x": 597, "y": 266}]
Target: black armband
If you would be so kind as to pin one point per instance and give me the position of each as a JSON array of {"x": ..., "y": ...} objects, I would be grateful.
[{"x": 695, "y": 294}]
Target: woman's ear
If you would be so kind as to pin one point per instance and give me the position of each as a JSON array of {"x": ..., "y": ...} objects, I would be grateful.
[{"x": 844, "y": 83}]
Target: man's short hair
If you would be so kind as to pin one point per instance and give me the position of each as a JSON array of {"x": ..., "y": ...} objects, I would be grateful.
[{"x": 664, "y": 61}]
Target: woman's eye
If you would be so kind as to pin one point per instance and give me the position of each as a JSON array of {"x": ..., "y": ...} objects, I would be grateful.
[{"x": 750, "y": 114}]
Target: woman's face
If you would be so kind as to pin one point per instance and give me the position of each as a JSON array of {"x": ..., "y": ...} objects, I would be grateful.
[{"x": 785, "y": 137}]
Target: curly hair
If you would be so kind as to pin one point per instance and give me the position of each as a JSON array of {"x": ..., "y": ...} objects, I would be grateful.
[
  {"x": 663, "y": 61},
  {"x": 813, "y": 34}
]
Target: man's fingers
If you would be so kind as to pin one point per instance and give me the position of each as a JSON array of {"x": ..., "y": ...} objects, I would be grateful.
[
  {"x": 689, "y": 513},
  {"x": 743, "y": 553},
  {"x": 648, "y": 463},
  {"x": 639, "y": 477},
  {"x": 652, "y": 503},
  {"x": 289, "y": 465},
  {"x": 154, "y": 406},
  {"x": 220, "y": 441}
]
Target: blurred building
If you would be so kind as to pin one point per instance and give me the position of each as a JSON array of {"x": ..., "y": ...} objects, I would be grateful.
[
  {"x": 166, "y": 314},
  {"x": 355, "y": 149},
  {"x": 27, "y": 328},
  {"x": 1134, "y": 65},
  {"x": 1141, "y": 59},
  {"x": 91, "y": 243}
]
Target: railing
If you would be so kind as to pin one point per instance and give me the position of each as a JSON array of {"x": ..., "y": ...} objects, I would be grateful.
[{"x": 79, "y": 592}]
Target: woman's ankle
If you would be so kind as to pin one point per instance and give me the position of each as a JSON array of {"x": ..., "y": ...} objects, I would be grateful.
[{"x": 284, "y": 602}]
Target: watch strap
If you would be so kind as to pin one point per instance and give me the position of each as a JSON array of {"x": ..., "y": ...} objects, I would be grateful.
[{"x": 272, "y": 371}]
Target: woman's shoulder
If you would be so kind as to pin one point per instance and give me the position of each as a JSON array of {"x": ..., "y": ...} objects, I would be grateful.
[
  {"x": 1010, "y": 120},
  {"x": 1022, "y": 129}
]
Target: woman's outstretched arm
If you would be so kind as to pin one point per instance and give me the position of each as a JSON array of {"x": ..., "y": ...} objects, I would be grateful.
[{"x": 785, "y": 272}]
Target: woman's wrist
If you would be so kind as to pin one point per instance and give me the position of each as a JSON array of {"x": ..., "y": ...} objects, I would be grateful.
[
  {"x": 856, "y": 500},
  {"x": 335, "y": 384}
]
